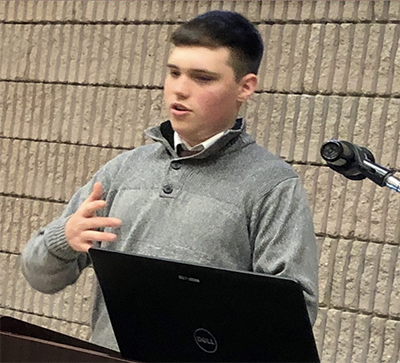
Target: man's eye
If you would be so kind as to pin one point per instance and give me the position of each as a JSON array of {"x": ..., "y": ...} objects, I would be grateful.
[
  {"x": 174, "y": 74},
  {"x": 204, "y": 79}
]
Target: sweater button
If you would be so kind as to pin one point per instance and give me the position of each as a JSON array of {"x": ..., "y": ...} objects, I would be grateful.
[
  {"x": 167, "y": 189},
  {"x": 176, "y": 165}
]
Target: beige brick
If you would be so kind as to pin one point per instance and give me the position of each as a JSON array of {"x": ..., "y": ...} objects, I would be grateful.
[
  {"x": 330, "y": 47},
  {"x": 4, "y": 9},
  {"x": 330, "y": 198},
  {"x": 30, "y": 7},
  {"x": 17, "y": 53},
  {"x": 269, "y": 104},
  {"x": 343, "y": 57},
  {"x": 361, "y": 339},
  {"x": 7, "y": 102},
  {"x": 308, "y": 10},
  {"x": 330, "y": 118},
  {"x": 385, "y": 279},
  {"x": 365, "y": 10},
  {"x": 326, "y": 265},
  {"x": 336, "y": 9},
  {"x": 150, "y": 110},
  {"x": 85, "y": 10},
  {"x": 388, "y": 60},
  {"x": 300, "y": 57},
  {"x": 100, "y": 10},
  {"x": 288, "y": 120},
  {"x": 7, "y": 207},
  {"x": 331, "y": 343},
  {"x": 320, "y": 189},
  {"x": 392, "y": 224},
  {"x": 391, "y": 350},
  {"x": 394, "y": 308},
  {"x": 281, "y": 10},
  {"x": 81, "y": 53},
  {"x": 315, "y": 54},
  {"x": 12, "y": 11},
  {"x": 7, "y": 51},
  {"x": 319, "y": 329},
  {"x": 284, "y": 58},
  {"x": 303, "y": 128},
  {"x": 138, "y": 57},
  {"x": 294, "y": 10},
  {"x": 380, "y": 223},
  {"x": 184, "y": 10},
  {"x": 3, "y": 46},
  {"x": 321, "y": 10},
  {"x": 381, "y": 10},
  {"x": 376, "y": 341},
  {"x": 350, "y": 11},
  {"x": 359, "y": 49},
  {"x": 354, "y": 273},
  {"x": 268, "y": 10},
  {"x": 249, "y": 111},
  {"x": 373, "y": 57},
  {"x": 151, "y": 62},
  {"x": 394, "y": 10},
  {"x": 265, "y": 32},
  {"x": 369, "y": 277},
  {"x": 272, "y": 56},
  {"x": 40, "y": 11},
  {"x": 353, "y": 198},
  {"x": 344, "y": 349},
  {"x": 340, "y": 272},
  {"x": 8, "y": 265},
  {"x": 254, "y": 10},
  {"x": 162, "y": 52},
  {"x": 64, "y": 10}
]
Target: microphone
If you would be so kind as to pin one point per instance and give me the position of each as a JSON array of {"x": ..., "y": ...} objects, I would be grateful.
[
  {"x": 346, "y": 158},
  {"x": 357, "y": 163}
]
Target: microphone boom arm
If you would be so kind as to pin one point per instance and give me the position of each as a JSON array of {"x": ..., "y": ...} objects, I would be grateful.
[{"x": 357, "y": 163}]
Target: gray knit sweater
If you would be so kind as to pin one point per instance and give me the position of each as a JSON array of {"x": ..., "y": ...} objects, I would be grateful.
[{"x": 234, "y": 205}]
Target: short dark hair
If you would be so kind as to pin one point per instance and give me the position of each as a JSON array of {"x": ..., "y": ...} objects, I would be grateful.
[{"x": 216, "y": 29}]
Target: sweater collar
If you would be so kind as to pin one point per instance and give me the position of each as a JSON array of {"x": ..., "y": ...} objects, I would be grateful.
[{"x": 164, "y": 134}]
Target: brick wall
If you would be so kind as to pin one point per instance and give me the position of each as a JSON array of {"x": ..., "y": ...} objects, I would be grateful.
[{"x": 81, "y": 80}]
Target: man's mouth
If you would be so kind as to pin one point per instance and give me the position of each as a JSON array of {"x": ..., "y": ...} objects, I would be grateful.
[{"x": 179, "y": 107}]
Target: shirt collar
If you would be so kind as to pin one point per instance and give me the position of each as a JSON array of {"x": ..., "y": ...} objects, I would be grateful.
[{"x": 199, "y": 147}]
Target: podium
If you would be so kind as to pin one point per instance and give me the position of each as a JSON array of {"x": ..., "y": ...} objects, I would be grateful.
[{"x": 24, "y": 342}]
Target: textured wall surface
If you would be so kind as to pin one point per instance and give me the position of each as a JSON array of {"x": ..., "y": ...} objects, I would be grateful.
[{"x": 81, "y": 80}]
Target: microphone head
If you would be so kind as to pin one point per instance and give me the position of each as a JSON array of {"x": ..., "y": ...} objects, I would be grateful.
[
  {"x": 340, "y": 157},
  {"x": 332, "y": 151}
]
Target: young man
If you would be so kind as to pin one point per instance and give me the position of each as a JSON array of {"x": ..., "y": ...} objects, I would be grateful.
[{"x": 204, "y": 192}]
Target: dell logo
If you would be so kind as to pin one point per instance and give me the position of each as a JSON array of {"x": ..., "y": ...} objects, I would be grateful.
[{"x": 205, "y": 340}]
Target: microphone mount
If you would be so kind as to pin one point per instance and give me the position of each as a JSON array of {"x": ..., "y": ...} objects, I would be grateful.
[{"x": 357, "y": 163}]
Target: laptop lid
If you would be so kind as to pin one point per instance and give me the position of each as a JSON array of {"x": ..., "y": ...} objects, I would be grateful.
[{"x": 169, "y": 311}]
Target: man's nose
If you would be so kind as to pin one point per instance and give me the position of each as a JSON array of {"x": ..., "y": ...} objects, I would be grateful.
[{"x": 182, "y": 87}]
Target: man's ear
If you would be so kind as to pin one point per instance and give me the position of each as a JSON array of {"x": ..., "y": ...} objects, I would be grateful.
[{"x": 247, "y": 87}]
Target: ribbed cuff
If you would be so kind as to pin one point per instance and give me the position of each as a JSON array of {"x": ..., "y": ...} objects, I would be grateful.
[{"x": 57, "y": 243}]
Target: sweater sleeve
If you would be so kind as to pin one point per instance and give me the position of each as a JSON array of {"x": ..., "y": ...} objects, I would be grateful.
[
  {"x": 284, "y": 239},
  {"x": 48, "y": 262}
]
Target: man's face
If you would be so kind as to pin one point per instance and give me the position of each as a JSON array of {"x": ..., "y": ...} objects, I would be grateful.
[{"x": 201, "y": 94}]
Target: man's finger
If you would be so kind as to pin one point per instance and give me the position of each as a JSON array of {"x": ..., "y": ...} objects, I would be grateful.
[
  {"x": 98, "y": 236},
  {"x": 101, "y": 222},
  {"x": 89, "y": 208},
  {"x": 97, "y": 192}
]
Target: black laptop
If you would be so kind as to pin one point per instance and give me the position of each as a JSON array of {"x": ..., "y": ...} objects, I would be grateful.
[{"x": 169, "y": 311}]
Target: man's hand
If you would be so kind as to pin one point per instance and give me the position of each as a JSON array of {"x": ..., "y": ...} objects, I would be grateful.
[{"x": 81, "y": 228}]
